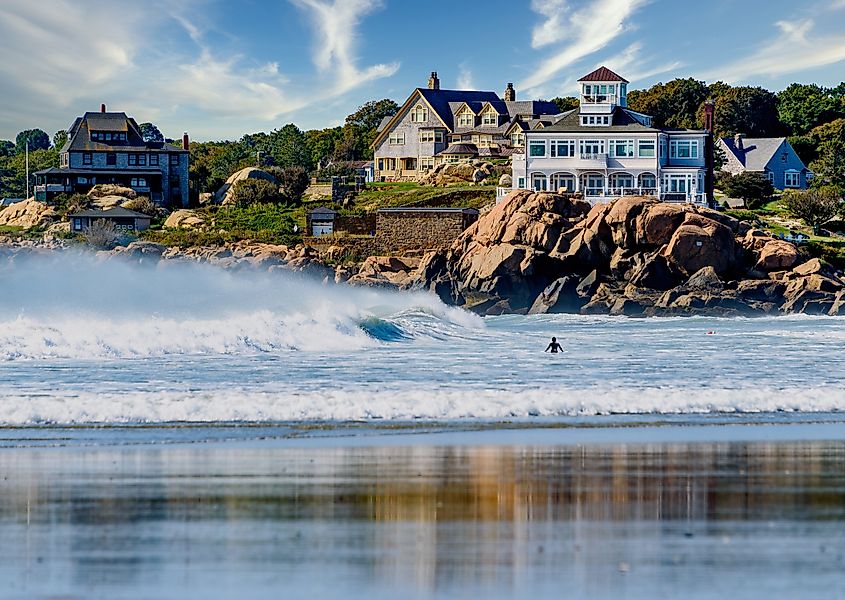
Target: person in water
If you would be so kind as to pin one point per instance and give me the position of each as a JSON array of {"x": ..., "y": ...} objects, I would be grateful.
[{"x": 554, "y": 347}]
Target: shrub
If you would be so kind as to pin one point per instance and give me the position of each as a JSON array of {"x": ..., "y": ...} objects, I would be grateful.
[
  {"x": 753, "y": 188},
  {"x": 255, "y": 191},
  {"x": 71, "y": 203},
  {"x": 815, "y": 206},
  {"x": 104, "y": 235},
  {"x": 143, "y": 204},
  {"x": 293, "y": 182},
  {"x": 743, "y": 215}
]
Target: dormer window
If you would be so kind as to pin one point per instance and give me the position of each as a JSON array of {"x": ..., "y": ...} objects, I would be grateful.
[
  {"x": 419, "y": 114},
  {"x": 466, "y": 119},
  {"x": 491, "y": 117}
]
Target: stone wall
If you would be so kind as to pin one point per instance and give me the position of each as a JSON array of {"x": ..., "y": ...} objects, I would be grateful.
[
  {"x": 421, "y": 230},
  {"x": 355, "y": 225}
]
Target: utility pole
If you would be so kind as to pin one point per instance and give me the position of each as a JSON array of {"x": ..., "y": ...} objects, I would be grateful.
[
  {"x": 258, "y": 158},
  {"x": 27, "y": 170}
]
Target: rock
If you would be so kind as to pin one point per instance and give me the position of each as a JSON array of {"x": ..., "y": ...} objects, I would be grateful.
[
  {"x": 838, "y": 307},
  {"x": 587, "y": 286},
  {"x": 104, "y": 190},
  {"x": 656, "y": 224},
  {"x": 655, "y": 273},
  {"x": 184, "y": 219},
  {"x": 701, "y": 242},
  {"x": 224, "y": 196},
  {"x": 27, "y": 214},
  {"x": 761, "y": 290},
  {"x": 559, "y": 297},
  {"x": 776, "y": 255},
  {"x": 108, "y": 202},
  {"x": 811, "y": 267},
  {"x": 622, "y": 216},
  {"x": 627, "y": 307},
  {"x": 755, "y": 239},
  {"x": 506, "y": 181},
  {"x": 206, "y": 198},
  {"x": 705, "y": 280}
]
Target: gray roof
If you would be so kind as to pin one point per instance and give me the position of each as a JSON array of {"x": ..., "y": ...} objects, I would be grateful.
[
  {"x": 323, "y": 211},
  {"x": 460, "y": 149},
  {"x": 756, "y": 153},
  {"x": 79, "y": 135},
  {"x": 622, "y": 121},
  {"x": 384, "y": 122},
  {"x": 118, "y": 211}
]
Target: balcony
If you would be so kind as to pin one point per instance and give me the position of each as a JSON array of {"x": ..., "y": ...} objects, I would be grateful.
[
  {"x": 592, "y": 161},
  {"x": 57, "y": 188}
]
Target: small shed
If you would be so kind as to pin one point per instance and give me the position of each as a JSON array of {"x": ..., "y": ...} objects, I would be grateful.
[
  {"x": 122, "y": 218},
  {"x": 321, "y": 221}
]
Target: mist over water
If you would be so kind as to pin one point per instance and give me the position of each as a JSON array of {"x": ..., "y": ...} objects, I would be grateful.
[{"x": 85, "y": 340}]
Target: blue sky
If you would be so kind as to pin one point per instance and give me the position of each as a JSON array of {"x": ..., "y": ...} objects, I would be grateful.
[{"x": 219, "y": 68}]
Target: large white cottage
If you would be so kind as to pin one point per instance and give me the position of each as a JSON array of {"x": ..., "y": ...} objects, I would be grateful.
[{"x": 605, "y": 150}]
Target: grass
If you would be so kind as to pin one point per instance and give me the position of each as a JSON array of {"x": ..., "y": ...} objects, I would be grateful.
[{"x": 392, "y": 195}]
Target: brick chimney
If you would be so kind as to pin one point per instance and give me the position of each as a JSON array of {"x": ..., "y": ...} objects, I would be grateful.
[
  {"x": 433, "y": 81},
  {"x": 510, "y": 93},
  {"x": 709, "y": 112},
  {"x": 103, "y": 108},
  {"x": 186, "y": 142},
  {"x": 738, "y": 141}
]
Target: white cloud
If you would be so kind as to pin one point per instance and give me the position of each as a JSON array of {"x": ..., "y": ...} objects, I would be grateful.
[
  {"x": 465, "y": 79},
  {"x": 583, "y": 32},
  {"x": 797, "y": 48},
  {"x": 336, "y": 22}
]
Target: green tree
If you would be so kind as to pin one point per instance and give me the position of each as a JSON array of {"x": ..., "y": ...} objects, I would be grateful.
[
  {"x": 293, "y": 182},
  {"x": 7, "y": 148},
  {"x": 13, "y": 176},
  {"x": 322, "y": 144},
  {"x": 748, "y": 110},
  {"x": 677, "y": 103},
  {"x": 752, "y": 188},
  {"x": 361, "y": 128},
  {"x": 150, "y": 133},
  {"x": 829, "y": 167},
  {"x": 815, "y": 206},
  {"x": 247, "y": 192},
  {"x": 59, "y": 139},
  {"x": 287, "y": 148},
  {"x": 801, "y": 107},
  {"x": 37, "y": 138},
  {"x": 213, "y": 162},
  {"x": 566, "y": 103}
]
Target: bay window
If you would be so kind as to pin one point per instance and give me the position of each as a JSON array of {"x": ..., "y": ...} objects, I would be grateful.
[
  {"x": 683, "y": 149},
  {"x": 792, "y": 179}
]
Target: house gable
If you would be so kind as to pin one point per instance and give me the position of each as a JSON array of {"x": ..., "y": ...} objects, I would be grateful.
[{"x": 414, "y": 100}]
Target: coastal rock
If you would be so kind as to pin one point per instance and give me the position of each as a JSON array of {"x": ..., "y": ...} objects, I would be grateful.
[
  {"x": 224, "y": 196},
  {"x": 184, "y": 219},
  {"x": 656, "y": 224},
  {"x": 776, "y": 255},
  {"x": 559, "y": 297},
  {"x": 27, "y": 214},
  {"x": 106, "y": 190},
  {"x": 811, "y": 267},
  {"x": 701, "y": 242},
  {"x": 622, "y": 217}
]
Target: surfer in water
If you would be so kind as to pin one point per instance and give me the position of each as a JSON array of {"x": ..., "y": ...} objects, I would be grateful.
[{"x": 554, "y": 347}]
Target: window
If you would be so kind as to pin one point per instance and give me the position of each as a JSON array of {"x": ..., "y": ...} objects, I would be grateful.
[
  {"x": 438, "y": 137},
  {"x": 426, "y": 163},
  {"x": 645, "y": 148},
  {"x": 396, "y": 139},
  {"x": 490, "y": 118},
  {"x": 770, "y": 176},
  {"x": 591, "y": 148},
  {"x": 648, "y": 181},
  {"x": 111, "y": 159},
  {"x": 153, "y": 160},
  {"x": 683, "y": 149},
  {"x": 142, "y": 160},
  {"x": 426, "y": 137},
  {"x": 133, "y": 160},
  {"x": 138, "y": 182},
  {"x": 381, "y": 164},
  {"x": 563, "y": 148},
  {"x": 678, "y": 184},
  {"x": 419, "y": 114},
  {"x": 121, "y": 137},
  {"x": 82, "y": 180},
  {"x": 518, "y": 138},
  {"x": 622, "y": 148},
  {"x": 466, "y": 119},
  {"x": 521, "y": 183},
  {"x": 455, "y": 139},
  {"x": 87, "y": 158},
  {"x": 174, "y": 158},
  {"x": 537, "y": 148},
  {"x": 108, "y": 137},
  {"x": 538, "y": 182},
  {"x": 792, "y": 179},
  {"x": 77, "y": 224}
]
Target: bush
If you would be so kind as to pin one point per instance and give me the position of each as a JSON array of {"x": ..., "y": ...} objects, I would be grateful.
[
  {"x": 255, "y": 191},
  {"x": 815, "y": 206},
  {"x": 753, "y": 188},
  {"x": 70, "y": 203},
  {"x": 143, "y": 204},
  {"x": 293, "y": 182},
  {"x": 104, "y": 235},
  {"x": 743, "y": 215}
]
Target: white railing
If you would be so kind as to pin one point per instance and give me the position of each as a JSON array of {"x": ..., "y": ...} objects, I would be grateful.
[
  {"x": 501, "y": 192},
  {"x": 53, "y": 187},
  {"x": 593, "y": 156}
]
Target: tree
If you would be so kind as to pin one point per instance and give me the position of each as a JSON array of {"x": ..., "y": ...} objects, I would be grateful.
[
  {"x": 287, "y": 148},
  {"x": 150, "y": 133},
  {"x": 567, "y": 103},
  {"x": 804, "y": 107},
  {"x": 247, "y": 192},
  {"x": 213, "y": 162},
  {"x": 293, "y": 182},
  {"x": 361, "y": 127},
  {"x": 829, "y": 167},
  {"x": 674, "y": 104},
  {"x": 748, "y": 110},
  {"x": 37, "y": 138},
  {"x": 322, "y": 144},
  {"x": 815, "y": 206},
  {"x": 13, "y": 176},
  {"x": 59, "y": 139},
  {"x": 753, "y": 188},
  {"x": 7, "y": 148}
]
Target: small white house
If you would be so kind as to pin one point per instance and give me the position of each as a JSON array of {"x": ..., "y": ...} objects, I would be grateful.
[{"x": 605, "y": 150}]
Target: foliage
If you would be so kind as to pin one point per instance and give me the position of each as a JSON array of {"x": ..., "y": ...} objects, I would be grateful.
[
  {"x": 802, "y": 108},
  {"x": 748, "y": 110},
  {"x": 829, "y": 167},
  {"x": 247, "y": 192},
  {"x": 13, "y": 170},
  {"x": 7, "y": 148},
  {"x": 293, "y": 181},
  {"x": 213, "y": 162},
  {"x": 359, "y": 129},
  {"x": 37, "y": 138},
  {"x": 321, "y": 144},
  {"x": 287, "y": 148},
  {"x": 337, "y": 170},
  {"x": 104, "y": 235},
  {"x": 150, "y": 133},
  {"x": 59, "y": 139},
  {"x": 815, "y": 206},
  {"x": 753, "y": 188},
  {"x": 674, "y": 104},
  {"x": 143, "y": 204},
  {"x": 566, "y": 103},
  {"x": 720, "y": 159},
  {"x": 67, "y": 204},
  {"x": 743, "y": 215}
]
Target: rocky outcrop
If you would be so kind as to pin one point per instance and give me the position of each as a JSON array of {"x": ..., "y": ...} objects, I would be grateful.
[
  {"x": 27, "y": 214},
  {"x": 224, "y": 196},
  {"x": 185, "y": 219},
  {"x": 470, "y": 172}
]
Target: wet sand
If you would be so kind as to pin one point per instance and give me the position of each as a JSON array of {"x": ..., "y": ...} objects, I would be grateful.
[{"x": 662, "y": 511}]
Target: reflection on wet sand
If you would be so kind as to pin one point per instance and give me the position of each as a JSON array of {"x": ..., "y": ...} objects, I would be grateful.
[{"x": 631, "y": 520}]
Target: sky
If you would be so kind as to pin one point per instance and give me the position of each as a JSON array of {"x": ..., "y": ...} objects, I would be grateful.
[{"x": 221, "y": 68}]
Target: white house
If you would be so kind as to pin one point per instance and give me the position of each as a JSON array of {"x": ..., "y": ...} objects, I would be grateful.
[{"x": 605, "y": 150}]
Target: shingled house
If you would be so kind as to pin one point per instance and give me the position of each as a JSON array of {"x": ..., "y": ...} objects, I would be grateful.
[
  {"x": 435, "y": 126},
  {"x": 107, "y": 147},
  {"x": 775, "y": 158}
]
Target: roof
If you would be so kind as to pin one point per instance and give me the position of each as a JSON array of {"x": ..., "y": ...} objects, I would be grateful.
[
  {"x": 384, "y": 122},
  {"x": 108, "y": 121},
  {"x": 531, "y": 108},
  {"x": 79, "y": 135},
  {"x": 622, "y": 121},
  {"x": 440, "y": 101},
  {"x": 118, "y": 211},
  {"x": 423, "y": 209},
  {"x": 603, "y": 74},
  {"x": 460, "y": 149},
  {"x": 756, "y": 153},
  {"x": 322, "y": 210}
]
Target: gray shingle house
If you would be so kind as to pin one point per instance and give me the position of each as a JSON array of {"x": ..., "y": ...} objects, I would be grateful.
[
  {"x": 773, "y": 157},
  {"x": 122, "y": 218},
  {"x": 435, "y": 126},
  {"x": 107, "y": 147}
]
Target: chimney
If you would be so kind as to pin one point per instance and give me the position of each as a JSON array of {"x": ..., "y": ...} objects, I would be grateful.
[
  {"x": 434, "y": 81},
  {"x": 738, "y": 141},
  {"x": 709, "y": 111},
  {"x": 102, "y": 108},
  {"x": 510, "y": 93},
  {"x": 186, "y": 142}
]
